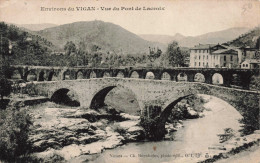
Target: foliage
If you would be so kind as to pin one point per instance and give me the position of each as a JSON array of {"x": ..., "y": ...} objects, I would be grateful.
[
  {"x": 154, "y": 55},
  {"x": 247, "y": 39},
  {"x": 174, "y": 55},
  {"x": 255, "y": 83},
  {"x": 154, "y": 128},
  {"x": 250, "y": 114},
  {"x": 14, "y": 128},
  {"x": 23, "y": 43},
  {"x": 151, "y": 122},
  {"x": 180, "y": 111},
  {"x": 33, "y": 159},
  {"x": 257, "y": 46},
  {"x": 5, "y": 87},
  {"x": 69, "y": 48}
]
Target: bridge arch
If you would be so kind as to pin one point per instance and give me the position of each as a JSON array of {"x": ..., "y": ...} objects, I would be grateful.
[
  {"x": 79, "y": 75},
  {"x": 120, "y": 74},
  {"x": 134, "y": 74},
  {"x": 106, "y": 74},
  {"x": 53, "y": 76},
  {"x": 66, "y": 75},
  {"x": 199, "y": 77},
  {"x": 99, "y": 96},
  {"x": 165, "y": 76},
  {"x": 61, "y": 96},
  {"x": 182, "y": 77},
  {"x": 217, "y": 79},
  {"x": 16, "y": 74},
  {"x": 92, "y": 75},
  {"x": 30, "y": 75},
  {"x": 149, "y": 75}
]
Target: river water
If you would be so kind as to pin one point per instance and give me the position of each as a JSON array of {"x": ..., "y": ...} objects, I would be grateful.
[{"x": 196, "y": 141}]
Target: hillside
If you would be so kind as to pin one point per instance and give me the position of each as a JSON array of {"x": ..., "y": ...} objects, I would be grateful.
[
  {"x": 26, "y": 47},
  {"x": 247, "y": 39},
  {"x": 107, "y": 36},
  {"x": 208, "y": 38},
  {"x": 36, "y": 27},
  {"x": 165, "y": 39}
]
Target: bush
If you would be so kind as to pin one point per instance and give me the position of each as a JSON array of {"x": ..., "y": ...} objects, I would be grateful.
[
  {"x": 5, "y": 87},
  {"x": 180, "y": 111},
  {"x": 14, "y": 128},
  {"x": 152, "y": 123},
  {"x": 154, "y": 128}
]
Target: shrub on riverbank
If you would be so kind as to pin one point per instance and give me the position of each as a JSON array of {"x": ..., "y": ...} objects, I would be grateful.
[
  {"x": 154, "y": 128},
  {"x": 250, "y": 116},
  {"x": 183, "y": 109},
  {"x": 14, "y": 128}
]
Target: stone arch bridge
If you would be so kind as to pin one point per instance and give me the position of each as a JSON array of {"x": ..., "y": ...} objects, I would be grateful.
[{"x": 92, "y": 93}]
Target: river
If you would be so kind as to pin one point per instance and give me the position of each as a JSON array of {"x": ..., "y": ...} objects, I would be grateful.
[{"x": 196, "y": 141}]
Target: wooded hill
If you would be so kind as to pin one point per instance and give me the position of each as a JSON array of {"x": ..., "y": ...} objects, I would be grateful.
[{"x": 108, "y": 36}]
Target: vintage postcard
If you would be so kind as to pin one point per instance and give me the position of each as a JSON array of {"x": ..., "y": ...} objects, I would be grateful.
[{"x": 130, "y": 81}]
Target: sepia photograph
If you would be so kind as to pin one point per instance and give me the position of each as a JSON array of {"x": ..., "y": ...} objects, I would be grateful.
[{"x": 129, "y": 81}]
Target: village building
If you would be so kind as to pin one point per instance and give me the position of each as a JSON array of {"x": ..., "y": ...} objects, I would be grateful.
[
  {"x": 212, "y": 56},
  {"x": 250, "y": 64}
]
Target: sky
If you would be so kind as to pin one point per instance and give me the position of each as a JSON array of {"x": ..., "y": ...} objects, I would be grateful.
[{"x": 188, "y": 17}]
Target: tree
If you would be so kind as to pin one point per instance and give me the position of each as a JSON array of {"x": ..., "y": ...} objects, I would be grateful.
[
  {"x": 14, "y": 133},
  {"x": 5, "y": 88},
  {"x": 154, "y": 55},
  {"x": 258, "y": 43},
  {"x": 70, "y": 47},
  {"x": 175, "y": 55}
]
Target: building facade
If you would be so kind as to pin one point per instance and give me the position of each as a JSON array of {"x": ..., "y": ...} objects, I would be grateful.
[
  {"x": 250, "y": 64},
  {"x": 212, "y": 56}
]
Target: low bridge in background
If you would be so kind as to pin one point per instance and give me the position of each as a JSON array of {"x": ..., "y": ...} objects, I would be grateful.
[{"x": 42, "y": 73}]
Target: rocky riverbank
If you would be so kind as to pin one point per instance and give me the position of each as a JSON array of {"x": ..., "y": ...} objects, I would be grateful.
[{"x": 73, "y": 133}]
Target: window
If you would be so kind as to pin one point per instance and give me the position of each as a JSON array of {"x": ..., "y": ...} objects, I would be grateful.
[
  {"x": 195, "y": 57},
  {"x": 199, "y": 56},
  {"x": 207, "y": 65},
  {"x": 246, "y": 65},
  {"x": 195, "y": 51},
  {"x": 225, "y": 58},
  {"x": 203, "y": 64},
  {"x": 203, "y": 57},
  {"x": 214, "y": 56},
  {"x": 195, "y": 64},
  {"x": 199, "y": 51},
  {"x": 224, "y": 64},
  {"x": 199, "y": 63},
  {"x": 231, "y": 58},
  {"x": 243, "y": 65},
  {"x": 207, "y": 57}
]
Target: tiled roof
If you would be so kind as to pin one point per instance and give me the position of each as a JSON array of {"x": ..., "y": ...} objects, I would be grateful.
[
  {"x": 222, "y": 51},
  {"x": 253, "y": 61},
  {"x": 203, "y": 46}
]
